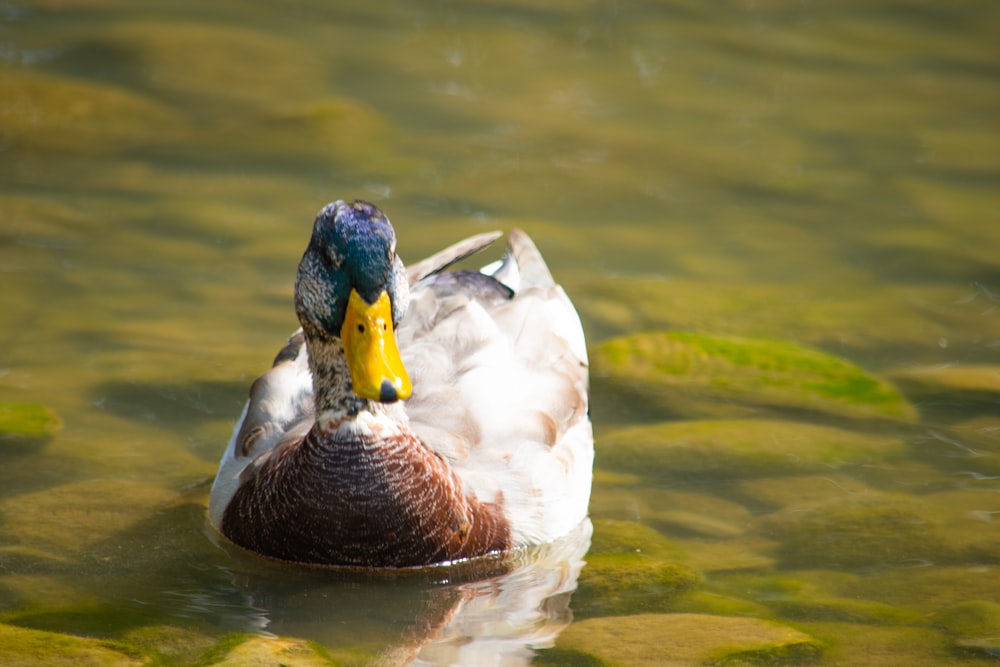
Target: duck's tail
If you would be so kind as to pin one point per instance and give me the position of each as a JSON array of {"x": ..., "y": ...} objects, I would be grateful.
[
  {"x": 439, "y": 261},
  {"x": 522, "y": 266}
]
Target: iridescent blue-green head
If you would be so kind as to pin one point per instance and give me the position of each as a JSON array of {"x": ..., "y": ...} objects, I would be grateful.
[{"x": 352, "y": 286}]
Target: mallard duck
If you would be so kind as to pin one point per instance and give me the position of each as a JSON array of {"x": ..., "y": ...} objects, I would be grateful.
[{"x": 418, "y": 416}]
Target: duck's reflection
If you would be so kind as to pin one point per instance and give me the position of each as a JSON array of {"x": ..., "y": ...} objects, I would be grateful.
[{"x": 489, "y": 612}]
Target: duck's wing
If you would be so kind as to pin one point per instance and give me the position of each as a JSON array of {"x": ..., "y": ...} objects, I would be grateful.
[
  {"x": 500, "y": 376},
  {"x": 279, "y": 409},
  {"x": 441, "y": 260}
]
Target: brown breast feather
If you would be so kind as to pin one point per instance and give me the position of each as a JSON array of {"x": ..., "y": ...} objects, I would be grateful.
[{"x": 365, "y": 502}]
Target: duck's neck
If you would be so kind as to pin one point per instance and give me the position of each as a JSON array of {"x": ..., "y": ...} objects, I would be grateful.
[{"x": 333, "y": 392}]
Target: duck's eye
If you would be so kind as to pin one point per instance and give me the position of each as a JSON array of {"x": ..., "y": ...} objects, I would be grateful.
[{"x": 361, "y": 328}]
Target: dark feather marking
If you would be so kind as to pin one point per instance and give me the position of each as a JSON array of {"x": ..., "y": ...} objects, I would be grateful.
[
  {"x": 441, "y": 260},
  {"x": 291, "y": 349},
  {"x": 475, "y": 285}
]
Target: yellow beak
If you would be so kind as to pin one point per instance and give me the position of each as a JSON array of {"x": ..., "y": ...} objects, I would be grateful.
[{"x": 377, "y": 371}]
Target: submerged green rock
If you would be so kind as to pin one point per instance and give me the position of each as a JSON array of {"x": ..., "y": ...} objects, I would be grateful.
[
  {"x": 813, "y": 595},
  {"x": 627, "y": 583},
  {"x": 647, "y": 640},
  {"x": 856, "y": 645},
  {"x": 974, "y": 626},
  {"x": 967, "y": 381},
  {"x": 612, "y": 536},
  {"x": 27, "y": 423},
  {"x": 630, "y": 568},
  {"x": 266, "y": 651},
  {"x": 676, "y": 510},
  {"x": 72, "y": 518},
  {"x": 23, "y": 646},
  {"x": 871, "y": 531},
  {"x": 694, "y": 374},
  {"x": 741, "y": 448},
  {"x": 75, "y": 116}
]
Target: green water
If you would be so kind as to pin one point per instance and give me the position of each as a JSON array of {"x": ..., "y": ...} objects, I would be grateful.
[{"x": 775, "y": 182}]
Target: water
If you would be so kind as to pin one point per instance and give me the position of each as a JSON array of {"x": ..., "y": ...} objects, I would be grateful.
[{"x": 819, "y": 173}]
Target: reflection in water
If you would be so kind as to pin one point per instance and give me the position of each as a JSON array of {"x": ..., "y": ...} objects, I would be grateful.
[{"x": 483, "y": 613}]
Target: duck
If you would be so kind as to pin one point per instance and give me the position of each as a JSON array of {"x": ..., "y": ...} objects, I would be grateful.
[{"x": 419, "y": 416}]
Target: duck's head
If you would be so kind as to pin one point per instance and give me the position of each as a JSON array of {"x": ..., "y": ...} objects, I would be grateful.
[{"x": 351, "y": 286}]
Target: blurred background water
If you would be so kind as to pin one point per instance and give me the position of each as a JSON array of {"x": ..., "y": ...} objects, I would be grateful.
[{"x": 817, "y": 173}]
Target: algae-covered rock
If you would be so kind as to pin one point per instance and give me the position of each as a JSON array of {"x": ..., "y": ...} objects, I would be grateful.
[
  {"x": 673, "y": 640},
  {"x": 979, "y": 444},
  {"x": 851, "y": 610},
  {"x": 814, "y": 595},
  {"x": 628, "y": 583},
  {"x": 171, "y": 644},
  {"x": 630, "y": 568},
  {"x": 214, "y": 62},
  {"x": 740, "y": 448},
  {"x": 613, "y": 537},
  {"x": 343, "y": 130},
  {"x": 700, "y": 601},
  {"x": 268, "y": 651},
  {"x": 874, "y": 530},
  {"x": 26, "y": 424},
  {"x": 56, "y": 114},
  {"x": 928, "y": 589},
  {"x": 973, "y": 625},
  {"x": 19, "y": 588},
  {"x": 679, "y": 511},
  {"x": 802, "y": 490},
  {"x": 856, "y": 645},
  {"x": 691, "y": 375},
  {"x": 967, "y": 381},
  {"x": 23, "y": 646},
  {"x": 72, "y": 517},
  {"x": 743, "y": 553},
  {"x": 972, "y": 516}
]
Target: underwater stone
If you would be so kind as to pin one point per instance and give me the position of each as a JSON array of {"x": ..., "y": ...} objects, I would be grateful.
[
  {"x": 626, "y": 583},
  {"x": 27, "y": 424},
  {"x": 974, "y": 626},
  {"x": 73, "y": 517},
  {"x": 696, "y": 375},
  {"x": 75, "y": 116},
  {"x": 697, "y": 513},
  {"x": 742, "y": 553},
  {"x": 23, "y": 646},
  {"x": 630, "y": 567},
  {"x": 612, "y": 536},
  {"x": 972, "y": 516},
  {"x": 170, "y": 643},
  {"x": 858, "y": 645},
  {"x": 266, "y": 651},
  {"x": 928, "y": 589},
  {"x": 740, "y": 448},
  {"x": 814, "y": 595},
  {"x": 952, "y": 380},
  {"x": 874, "y": 530},
  {"x": 672, "y": 640},
  {"x": 186, "y": 61},
  {"x": 801, "y": 490}
]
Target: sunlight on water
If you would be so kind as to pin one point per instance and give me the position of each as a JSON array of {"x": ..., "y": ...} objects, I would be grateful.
[{"x": 775, "y": 218}]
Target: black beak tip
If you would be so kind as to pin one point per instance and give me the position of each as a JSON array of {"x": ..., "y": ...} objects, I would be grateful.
[{"x": 387, "y": 392}]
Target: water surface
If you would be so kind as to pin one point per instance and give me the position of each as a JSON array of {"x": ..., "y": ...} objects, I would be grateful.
[{"x": 823, "y": 174}]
